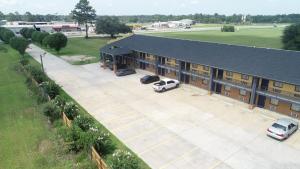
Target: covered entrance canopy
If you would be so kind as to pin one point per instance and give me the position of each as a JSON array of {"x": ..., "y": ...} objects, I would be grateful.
[{"x": 115, "y": 57}]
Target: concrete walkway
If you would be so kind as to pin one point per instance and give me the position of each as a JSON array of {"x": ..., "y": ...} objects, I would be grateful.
[{"x": 179, "y": 129}]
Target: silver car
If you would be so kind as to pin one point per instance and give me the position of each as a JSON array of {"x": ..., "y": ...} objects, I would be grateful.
[{"x": 282, "y": 128}]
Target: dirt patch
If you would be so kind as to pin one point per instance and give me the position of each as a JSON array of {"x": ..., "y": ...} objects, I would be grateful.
[
  {"x": 45, "y": 146},
  {"x": 77, "y": 58}
]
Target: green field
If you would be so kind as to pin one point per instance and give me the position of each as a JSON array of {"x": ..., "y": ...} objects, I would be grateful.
[
  {"x": 26, "y": 139},
  {"x": 263, "y": 37}
]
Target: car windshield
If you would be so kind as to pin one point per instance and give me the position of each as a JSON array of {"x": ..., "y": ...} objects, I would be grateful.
[
  {"x": 161, "y": 83},
  {"x": 278, "y": 126},
  {"x": 146, "y": 77}
]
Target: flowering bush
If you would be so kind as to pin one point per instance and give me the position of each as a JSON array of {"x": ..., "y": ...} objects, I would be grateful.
[
  {"x": 124, "y": 160},
  {"x": 60, "y": 102},
  {"x": 85, "y": 123},
  {"x": 51, "y": 88},
  {"x": 103, "y": 144},
  {"x": 71, "y": 110}
]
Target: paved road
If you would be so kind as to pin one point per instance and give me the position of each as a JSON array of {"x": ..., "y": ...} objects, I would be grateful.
[{"x": 182, "y": 128}]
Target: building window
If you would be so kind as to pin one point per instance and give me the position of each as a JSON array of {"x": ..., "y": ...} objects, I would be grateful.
[
  {"x": 297, "y": 88},
  {"x": 194, "y": 66},
  {"x": 194, "y": 78},
  {"x": 245, "y": 77},
  {"x": 204, "y": 81},
  {"x": 295, "y": 107},
  {"x": 206, "y": 68},
  {"x": 229, "y": 74},
  {"x": 274, "y": 101},
  {"x": 227, "y": 88},
  {"x": 243, "y": 92},
  {"x": 205, "y": 73},
  {"x": 278, "y": 84},
  {"x": 168, "y": 59}
]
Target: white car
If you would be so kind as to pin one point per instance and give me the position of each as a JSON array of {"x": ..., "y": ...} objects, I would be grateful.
[
  {"x": 165, "y": 84},
  {"x": 282, "y": 128}
]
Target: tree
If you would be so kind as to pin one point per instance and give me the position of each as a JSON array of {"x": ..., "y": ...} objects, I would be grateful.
[
  {"x": 20, "y": 44},
  {"x": 111, "y": 26},
  {"x": 23, "y": 31},
  {"x": 291, "y": 37},
  {"x": 28, "y": 17},
  {"x": 84, "y": 14},
  {"x": 45, "y": 41},
  {"x": 2, "y": 16},
  {"x": 57, "y": 41}
]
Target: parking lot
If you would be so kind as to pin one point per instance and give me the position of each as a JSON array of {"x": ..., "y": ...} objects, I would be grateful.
[{"x": 181, "y": 128}]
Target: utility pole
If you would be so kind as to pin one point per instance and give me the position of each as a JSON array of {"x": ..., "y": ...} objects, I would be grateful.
[{"x": 41, "y": 57}]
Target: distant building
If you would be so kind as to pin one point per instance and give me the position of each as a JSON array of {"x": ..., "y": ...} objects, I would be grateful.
[
  {"x": 42, "y": 26},
  {"x": 174, "y": 24}
]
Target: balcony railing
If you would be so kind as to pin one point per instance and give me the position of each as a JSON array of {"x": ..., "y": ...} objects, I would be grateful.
[
  {"x": 237, "y": 82},
  {"x": 278, "y": 91}
]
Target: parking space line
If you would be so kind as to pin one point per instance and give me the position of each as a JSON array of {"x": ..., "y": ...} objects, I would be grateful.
[{"x": 179, "y": 157}]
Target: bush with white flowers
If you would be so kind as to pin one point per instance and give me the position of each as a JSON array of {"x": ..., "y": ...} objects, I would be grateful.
[
  {"x": 71, "y": 110},
  {"x": 123, "y": 160},
  {"x": 103, "y": 144}
]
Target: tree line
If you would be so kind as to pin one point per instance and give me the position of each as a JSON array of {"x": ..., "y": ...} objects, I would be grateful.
[{"x": 198, "y": 17}]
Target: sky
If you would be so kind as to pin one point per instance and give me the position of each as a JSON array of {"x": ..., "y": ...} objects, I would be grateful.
[{"x": 148, "y": 7}]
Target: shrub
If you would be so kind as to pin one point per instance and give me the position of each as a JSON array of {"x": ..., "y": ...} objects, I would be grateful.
[
  {"x": 71, "y": 110},
  {"x": 45, "y": 41},
  {"x": 78, "y": 140},
  {"x": 19, "y": 43},
  {"x": 291, "y": 37},
  {"x": 85, "y": 123},
  {"x": 28, "y": 33},
  {"x": 51, "y": 111},
  {"x": 23, "y": 31},
  {"x": 51, "y": 88},
  {"x": 60, "y": 102},
  {"x": 123, "y": 160},
  {"x": 6, "y": 35},
  {"x": 42, "y": 36},
  {"x": 103, "y": 144},
  {"x": 35, "y": 36},
  {"x": 24, "y": 61},
  {"x": 37, "y": 73},
  {"x": 227, "y": 28},
  {"x": 57, "y": 41}
]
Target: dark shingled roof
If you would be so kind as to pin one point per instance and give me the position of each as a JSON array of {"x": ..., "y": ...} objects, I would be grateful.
[{"x": 280, "y": 65}]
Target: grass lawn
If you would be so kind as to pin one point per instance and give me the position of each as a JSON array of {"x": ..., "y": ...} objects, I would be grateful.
[
  {"x": 81, "y": 46},
  {"x": 26, "y": 140},
  {"x": 264, "y": 37}
]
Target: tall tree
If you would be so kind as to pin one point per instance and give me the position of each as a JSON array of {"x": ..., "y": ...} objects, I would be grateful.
[
  {"x": 291, "y": 37},
  {"x": 2, "y": 16},
  {"x": 20, "y": 44},
  {"x": 84, "y": 14},
  {"x": 111, "y": 26}
]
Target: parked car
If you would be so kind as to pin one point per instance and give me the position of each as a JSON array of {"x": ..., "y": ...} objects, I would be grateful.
[
  {"x": 124, "y": 72},
  {"x": 165, "y": 84},
  {"x": 149, "y": 79},
  {"x": 282, "y": 128}
]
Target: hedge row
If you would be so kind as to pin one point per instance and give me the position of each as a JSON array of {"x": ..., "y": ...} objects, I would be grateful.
[
  {"x": 84, "y": 133},
  {"x": 54, "y": 41}
]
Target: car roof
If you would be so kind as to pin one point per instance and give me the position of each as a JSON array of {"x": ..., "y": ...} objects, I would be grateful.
[{"x": 285, "y": 121}]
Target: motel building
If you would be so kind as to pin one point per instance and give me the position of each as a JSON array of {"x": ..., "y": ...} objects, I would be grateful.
[{"x": 266, "y": 78}]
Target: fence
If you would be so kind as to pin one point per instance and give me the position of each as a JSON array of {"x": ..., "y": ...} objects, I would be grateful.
[
  {"x": 66, "y": 120},
  {"x": 97, "y": 158}
]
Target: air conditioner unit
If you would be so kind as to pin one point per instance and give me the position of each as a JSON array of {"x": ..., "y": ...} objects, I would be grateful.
[{"x": 294, "y": 114}]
